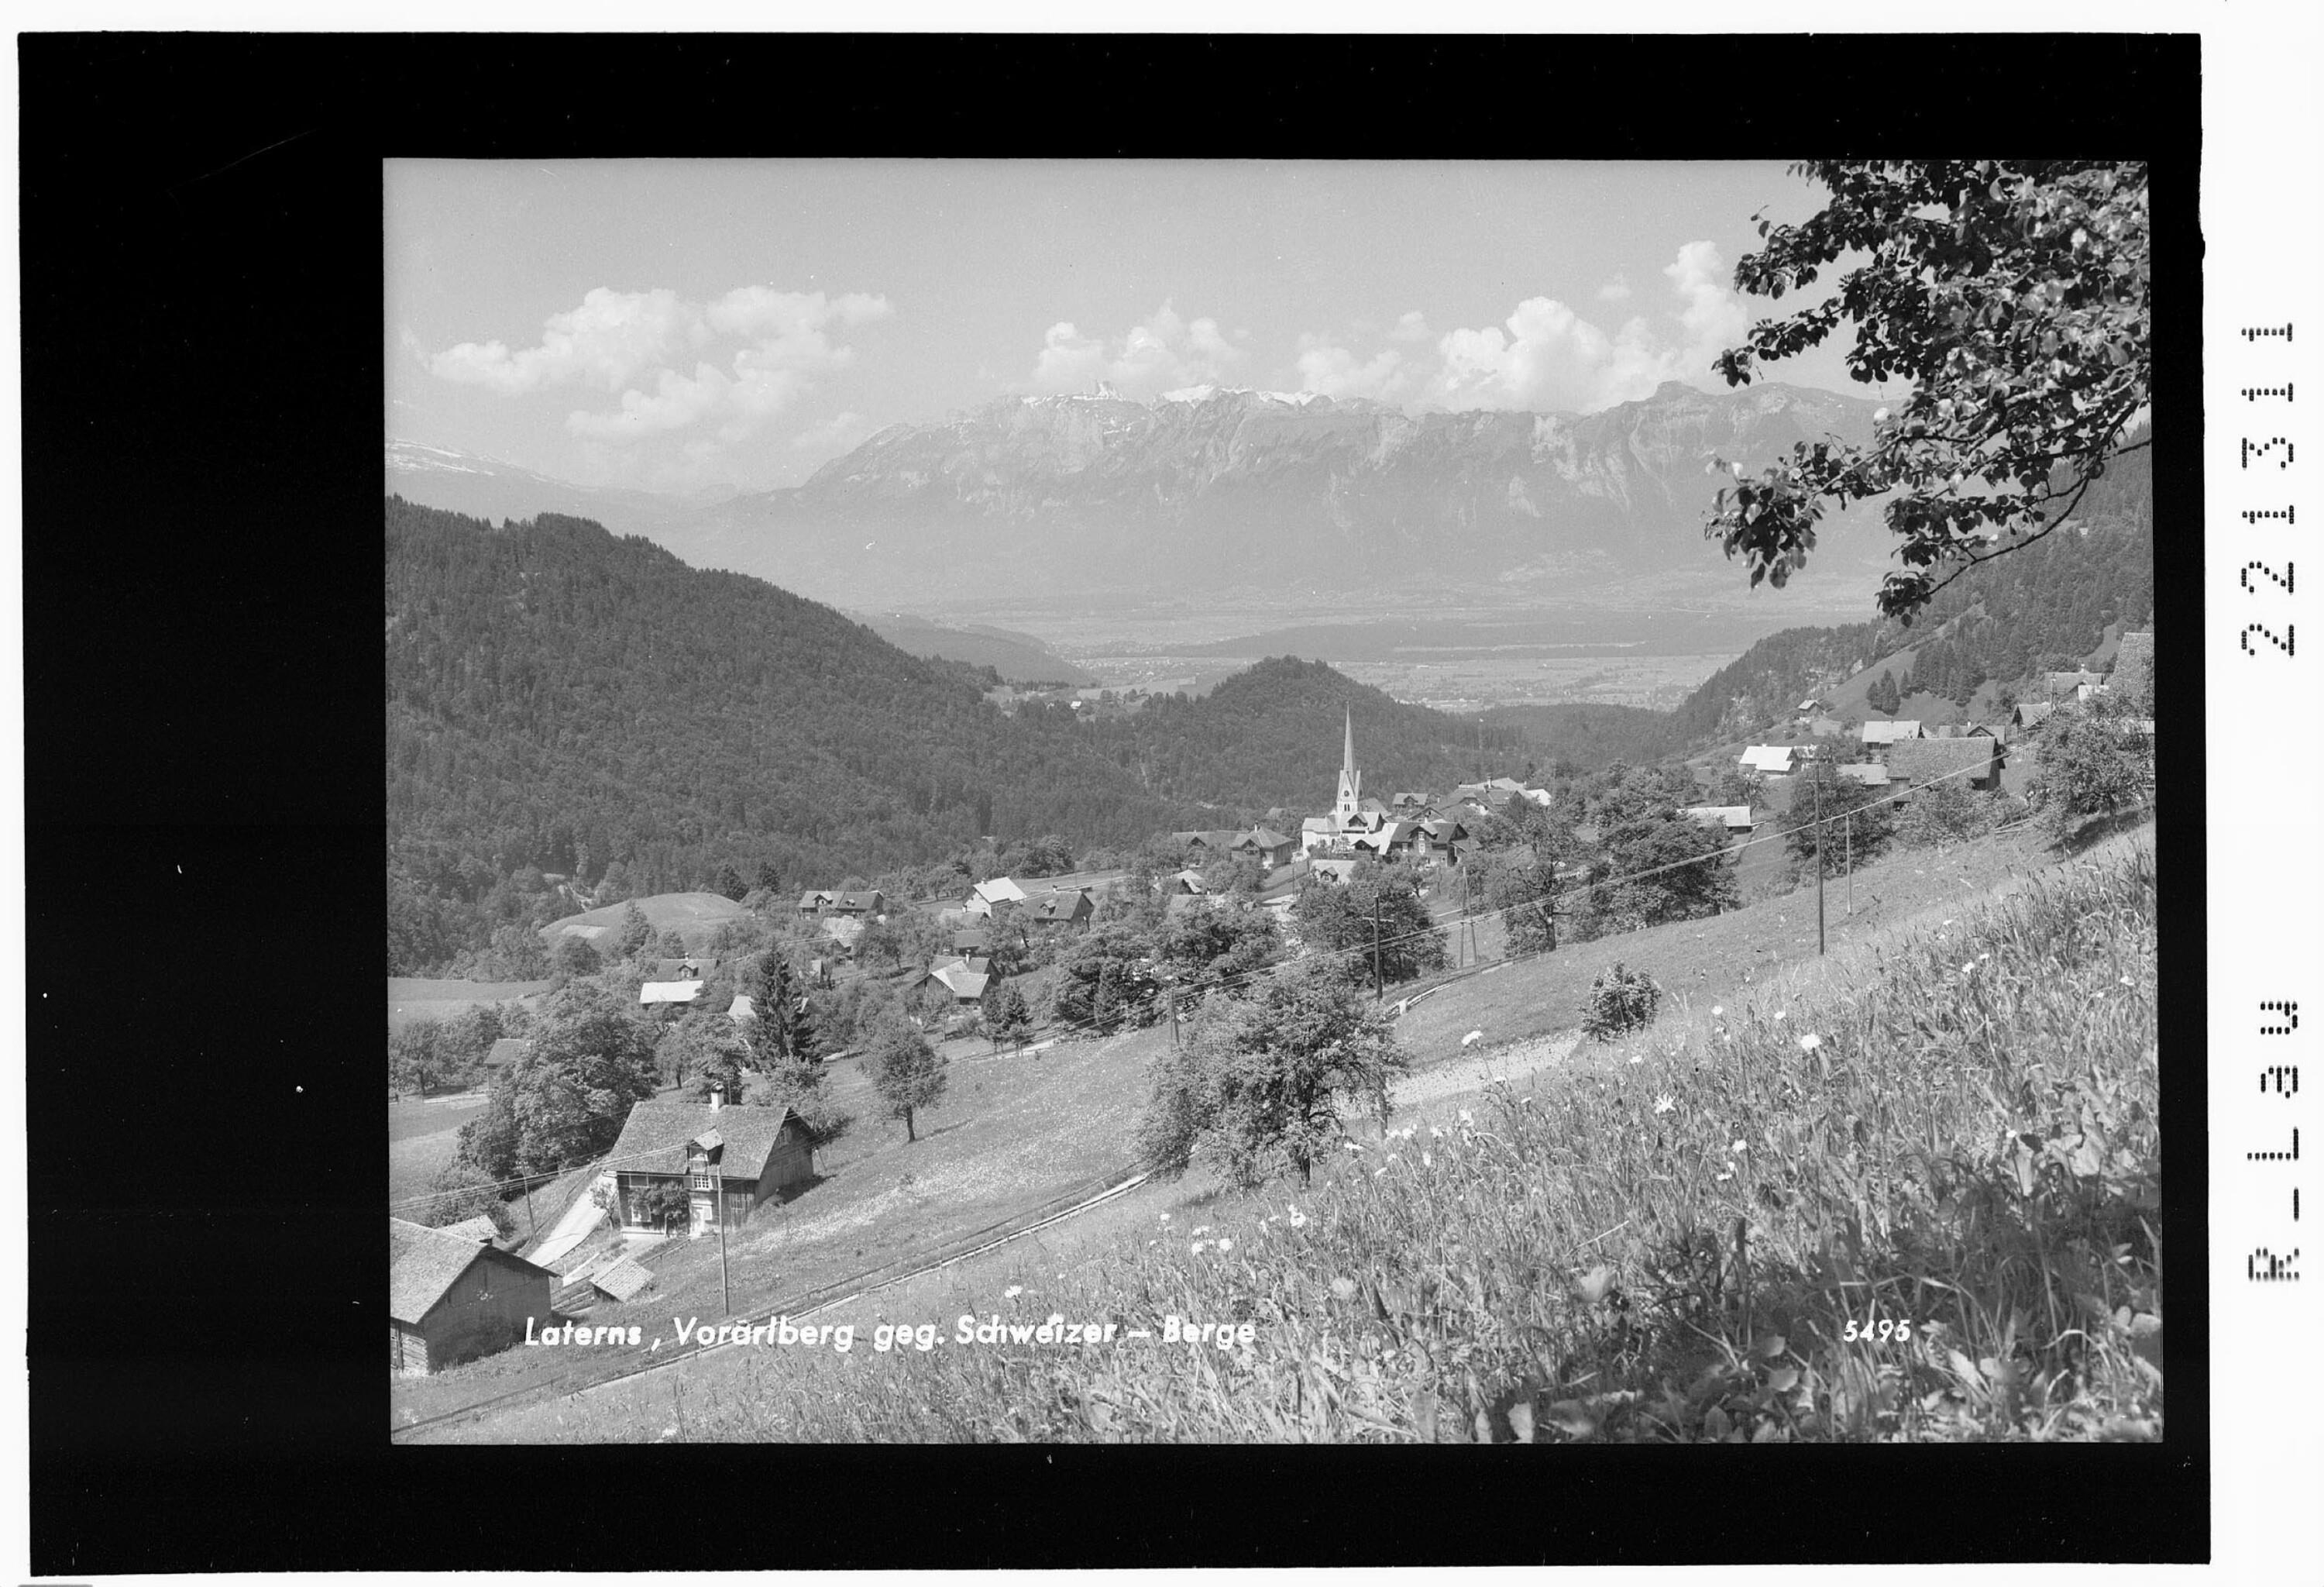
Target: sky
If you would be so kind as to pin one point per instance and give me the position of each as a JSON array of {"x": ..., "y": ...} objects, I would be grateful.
[{"x": 686, "y": 324}]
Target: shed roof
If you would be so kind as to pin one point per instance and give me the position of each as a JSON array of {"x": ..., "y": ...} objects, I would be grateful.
[
  {"x": 423, "y": 1264},
  {"x": 624, "y": 1278},
  {"x": 742, "y": 1008},
  {"x": 1924, "y": 759},
  {"x": 655, "y": 1135},
  {"x": 998, "y": 890},
  {"x": 1766, "y": 758},
  {"x": 670, "y": 991},
  {"x": 1732, "y": 817},
  {"x": 508, "y": 1049}
]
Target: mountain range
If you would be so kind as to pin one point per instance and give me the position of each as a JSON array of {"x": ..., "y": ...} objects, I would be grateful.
[{"x": 1212, "y": 489}]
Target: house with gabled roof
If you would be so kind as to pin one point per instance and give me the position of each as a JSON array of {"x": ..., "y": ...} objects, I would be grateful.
[
  {"x": 1864, "y": 774},
  {"x": 964, "y": 984},
  {"x": 1974, "y": 763},
  {"x": 1061, "y": 907},
  {"x": 729, "y": 1159},
  {"x": 2029, "y": 715},
  {"x": 1768, "y": 760},
  {"x": 678, "y": 992},
  {"x": 813, "y": 900},
  {"x": 844, "y": 930},
  {"x": 872, "y": 902},
  {"x": 971, "y": 942},
  {"x": 479, "y": 1227},
  {"x": 1268, "y": 847},
  {"x": 998, "y": 890},
  {"x": 1732, "y": 818},
  {"x": 2060, "y": 686},
  {"x": 452, "y": 1298},
  {"x": 507, "y": 1053},
  {"x": 1888, "y": 733}
]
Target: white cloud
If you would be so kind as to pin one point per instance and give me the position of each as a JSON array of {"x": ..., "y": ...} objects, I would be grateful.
[
  {"x": 1411, "y": 327},
  {"x": 1548, "y": 355},
  {"x": 615, "y": 339},
  {"x": 609, "y": 338},
  {"x": 1335, "y": 371},
  {"x": 1616, "y": 290},
  {"x": 1162, "y": 352}
]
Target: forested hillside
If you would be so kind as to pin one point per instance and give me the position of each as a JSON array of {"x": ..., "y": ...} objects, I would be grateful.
[
  {"x": 559, "y": 700},
  {"x": 1272, "y": 734},
  {"x": 2044, "y": 606},
  {"x": 1583, "y": 734}
]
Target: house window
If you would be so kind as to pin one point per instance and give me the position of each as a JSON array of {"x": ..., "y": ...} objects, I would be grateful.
[{"x": 705, "y": 1182}]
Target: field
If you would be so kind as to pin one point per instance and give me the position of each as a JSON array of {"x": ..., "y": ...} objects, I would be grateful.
[
  {"x": 1915, "y": 912},
  {"x": 409, "y": 999},
  {"x": 1014, "y": 1132}
]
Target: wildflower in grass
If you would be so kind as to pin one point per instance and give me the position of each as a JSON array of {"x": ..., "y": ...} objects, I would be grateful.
[
  {"x": 1737, "y": 1148},
  {"x": 1199, "y": 1247},
  {"x": 1166, "y": 1217},
  {"x": 1344, "y": 1287},
  {"x": 1810, "y": 1041},
  {"x": 1466, "y": 1118},
  {"x": 1012, "y": 1291},
  {"x": 1426, "y": 1161},
  {"x": 1716, "y": 1010},
  {"x": 1637, "y": 1057},
  {"x": 1295, "y": 1218},
  {"x": 1723, "y": 1178},
  {"x": 1435, "y": 1133},
  {"x": 2128, "y": 982},
  {"x": 1664, "y": 1103},
  {"x": 1226, "y": 1245},
  {"x": 1203, "y": 1229},
  {"x": 1353, "y": 1145}
]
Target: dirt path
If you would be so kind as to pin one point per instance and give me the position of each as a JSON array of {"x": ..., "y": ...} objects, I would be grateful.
[{"x": 1514, "y": 1061}]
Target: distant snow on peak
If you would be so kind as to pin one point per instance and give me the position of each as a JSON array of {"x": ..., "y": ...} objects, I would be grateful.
[{"x": 1191, "y": 394}]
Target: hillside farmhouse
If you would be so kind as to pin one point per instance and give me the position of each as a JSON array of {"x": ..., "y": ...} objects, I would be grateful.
[
  {"x": 452, "y": 1296},
  {"x": 1000, "y": 889},
  {"x": 1888, "y": 733},
  {"x": 2030, "y": 715},
  {"x": 730, "y": 1160},
  {"x": 1732, "y": 818},
  {"x": 1768, "y": 760},
  {"x": 1060, "y": 907},
  {"x": 2059, "y": 686},
  {"x": 668, "y": 992},
  {"x": 1268, "y": 847},
  {"x": 966, "y": 985},
  {"x": 1974, "y": 763}
]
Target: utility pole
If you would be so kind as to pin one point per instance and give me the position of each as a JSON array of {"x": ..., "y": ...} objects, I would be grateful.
[
  {"x": 1819, "y": 797},
  {"x": 532, "y": 1222},
  {"x": 1463, "y": 944},
  {"x": 1170, "y": 995},
  {"x": 1847, "y": 842},
  {"x": 1379, "y": 987},
  {"x": 725, "y": 1293}
]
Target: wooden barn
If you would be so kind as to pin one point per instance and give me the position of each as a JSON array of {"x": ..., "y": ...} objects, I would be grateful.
[
  {"x": 730, "y": 1159},
  {"x": 452, "y": 1296}
]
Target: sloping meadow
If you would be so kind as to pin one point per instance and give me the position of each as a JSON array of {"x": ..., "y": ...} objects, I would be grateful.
[{"x": 1917, "y": 1203}]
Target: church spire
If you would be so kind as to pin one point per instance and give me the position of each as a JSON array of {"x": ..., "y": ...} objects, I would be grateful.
[
  {"x": 1348, "y": 754},
  {"x": 1346, "y": 808}
]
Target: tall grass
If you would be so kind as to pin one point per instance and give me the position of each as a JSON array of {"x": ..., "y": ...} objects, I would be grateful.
[{"x": 1669, "y": 1242}]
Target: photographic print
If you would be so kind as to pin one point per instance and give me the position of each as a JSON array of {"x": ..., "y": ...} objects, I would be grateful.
[{"x": 1258, "y": 801}]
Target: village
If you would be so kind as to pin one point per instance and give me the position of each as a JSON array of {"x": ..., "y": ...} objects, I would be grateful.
[{"x": 961, "y": 968}]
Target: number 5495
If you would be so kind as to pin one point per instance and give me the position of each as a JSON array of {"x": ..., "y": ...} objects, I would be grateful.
[{"x": 1884, "y": 1330}]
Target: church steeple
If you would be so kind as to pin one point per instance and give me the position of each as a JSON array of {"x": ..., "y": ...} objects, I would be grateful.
[{"x": 1344, "y": 809}]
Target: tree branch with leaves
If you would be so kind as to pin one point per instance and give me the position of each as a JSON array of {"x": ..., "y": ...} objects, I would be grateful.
[{"x": 2013, "y": 298}]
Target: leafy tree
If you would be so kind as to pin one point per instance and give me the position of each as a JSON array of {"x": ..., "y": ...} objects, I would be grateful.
[
  {"x": 1106, "y": 981},
  {"x": 1733, "y": 785},
  {"x": 464, "y": 1191},
  {"x": 1881, "y": 696},
  {"x": 1857, "y": 821},
  {"x": 907, "y": 1074},
  {"x": 703, "y": 1049},
  {"x": 416, "y": 1059},
  {"x": 1049, "y": 855},
  {"x": 1652, "y": 865},
  {"x": 1007, "y": 1016},
  {"x": 564, "y": 1104},
  {"x": 1523, "y": 890},
  {"x": 2013, "y": 299},
  {"x": 1338, "y": 918},
  {"x": 1944, "y": 813},
  {"x": 729, "y": 882},
  {"x": 2091, "y": 761},
  {"x": 1222, "y": 943},
  {"x": 663, "y": 1202},
  {"x": 1260, "y": 1084},
  {"x": 637, "y": 931},
  {"x": 672, "y": 945}
]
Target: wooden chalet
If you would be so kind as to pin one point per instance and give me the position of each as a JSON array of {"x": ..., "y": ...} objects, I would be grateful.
[
  {"x": 453, "y": 1296},
  {"x": 730, "y": 1159}
]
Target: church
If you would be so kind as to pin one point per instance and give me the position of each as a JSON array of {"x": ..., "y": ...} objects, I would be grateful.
[{"x": 1353, "y": 816}]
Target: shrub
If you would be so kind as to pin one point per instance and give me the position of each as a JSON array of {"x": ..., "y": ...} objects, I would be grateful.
[{"x": 1619, "y": 1000}]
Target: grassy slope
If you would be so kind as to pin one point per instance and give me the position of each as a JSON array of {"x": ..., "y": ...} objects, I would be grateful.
[
  {"x": 1731, "y": 958},
  {"x": 1564, "y": 1266},
  {"x": 410, "y": 998},
  {"x": 1012, "y": 1134}
]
